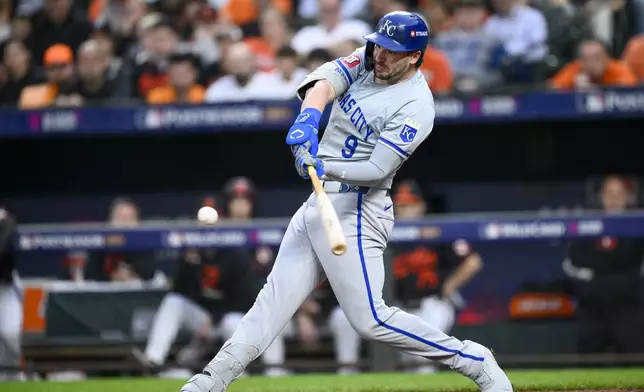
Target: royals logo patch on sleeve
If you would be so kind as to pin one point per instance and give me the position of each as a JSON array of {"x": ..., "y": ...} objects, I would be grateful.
[
  {"x": 409, "y": 131},
  {"x": 351, "y": 61}
]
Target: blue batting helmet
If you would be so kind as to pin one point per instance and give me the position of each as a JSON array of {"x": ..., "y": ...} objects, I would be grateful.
[{"x": 400, "y": 31}]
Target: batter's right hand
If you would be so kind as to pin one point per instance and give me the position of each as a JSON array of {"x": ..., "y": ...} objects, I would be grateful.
[
  {"x": 304, "y": 160},
  {"x": 303, "y": 135}
]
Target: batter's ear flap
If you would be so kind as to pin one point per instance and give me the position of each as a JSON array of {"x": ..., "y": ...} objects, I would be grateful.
[{"x": 368, "y": 54}]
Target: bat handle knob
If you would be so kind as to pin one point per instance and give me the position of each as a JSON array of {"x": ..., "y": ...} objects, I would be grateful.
[{"x": 339, "y": 249}]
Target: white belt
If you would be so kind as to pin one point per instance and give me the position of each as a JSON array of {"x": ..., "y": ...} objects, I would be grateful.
[{"x": 339, "y": 187}]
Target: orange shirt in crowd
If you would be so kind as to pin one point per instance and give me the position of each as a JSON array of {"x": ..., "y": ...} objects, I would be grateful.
[
  {"x": 167, "y": 94},
  {"x": 264, "y": 53},
  {"x": 617, "y": 74},
  {"x": 148, "y": 81},
  {"x": 634, "y": 56},
  {"x": 96, "y": 9},
  {"x": 38, "y": 96},
  {"x": 437, "y": 71},
  {"x": 242, "y": 12},
  {"x": 44, "y": 94}
]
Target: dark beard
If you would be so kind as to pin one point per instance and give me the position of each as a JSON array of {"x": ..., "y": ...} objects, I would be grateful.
[{"x": 396, "y": 76}]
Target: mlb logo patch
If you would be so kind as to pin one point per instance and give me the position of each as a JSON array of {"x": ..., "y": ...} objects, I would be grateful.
[
  {"x": 351, "y": 61},
  {"x": 409, "y": 131}
]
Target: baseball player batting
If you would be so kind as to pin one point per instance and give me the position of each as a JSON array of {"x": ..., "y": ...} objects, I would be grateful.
[{"x": 382, "y": 111}]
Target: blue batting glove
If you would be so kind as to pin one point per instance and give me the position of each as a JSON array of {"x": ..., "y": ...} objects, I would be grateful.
[
  {"x": 303, "y": 135},
  {"x": 304, "y": 160}
]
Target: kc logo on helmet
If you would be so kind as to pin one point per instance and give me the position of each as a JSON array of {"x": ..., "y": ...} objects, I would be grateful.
[{"x": 388, "y": 27}]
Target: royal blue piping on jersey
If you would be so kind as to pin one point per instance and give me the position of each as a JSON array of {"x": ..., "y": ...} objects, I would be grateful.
[
  {"x": 391, "y": 144},
  {"x": 345, "y": 70},
  {"x": 373, "y": 308}
]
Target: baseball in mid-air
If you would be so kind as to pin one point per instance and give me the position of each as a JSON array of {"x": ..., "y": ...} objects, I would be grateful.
[{"x": 208, "y": 215}]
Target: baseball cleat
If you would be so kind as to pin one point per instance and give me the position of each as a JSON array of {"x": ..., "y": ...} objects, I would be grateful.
[
  {"x": 492, "y": 378},
  {"x": 203, "y": 382},
  {"x": 148, "y": 368}
]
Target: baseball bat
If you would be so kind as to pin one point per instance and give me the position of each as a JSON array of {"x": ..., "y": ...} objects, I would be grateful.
[{"x": 330, "y": 221}]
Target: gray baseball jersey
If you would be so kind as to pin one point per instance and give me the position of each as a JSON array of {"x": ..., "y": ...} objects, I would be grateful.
[
  {"x": 366, "y": 113},
  {"x": 373, "y": 128}
]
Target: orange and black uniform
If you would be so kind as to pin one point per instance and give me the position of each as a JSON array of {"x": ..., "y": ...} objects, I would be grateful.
[
  {"x": 218, "y": 280},
  {"x": 610, "y": 308},
  {"x": 420, "y": 271},
  {"x": 101, "y": 265}
]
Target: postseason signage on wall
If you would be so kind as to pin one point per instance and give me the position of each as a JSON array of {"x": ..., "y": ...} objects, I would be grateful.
[
  {"x": 492, "y": 228},
  {"x": 278, "y": 115}
]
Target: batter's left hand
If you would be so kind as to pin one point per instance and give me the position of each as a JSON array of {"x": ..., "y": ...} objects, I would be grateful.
[
  {"x": 303, "y": 135},
  {"x": 304, "y": 160}
]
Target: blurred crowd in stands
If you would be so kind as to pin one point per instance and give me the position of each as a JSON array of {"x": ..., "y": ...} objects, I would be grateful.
[{"x": 107, "y": 52}]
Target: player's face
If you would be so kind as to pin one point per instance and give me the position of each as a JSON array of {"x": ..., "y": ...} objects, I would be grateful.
[
  {"x": 182, "y": 75},
  {"x": 124, "y": 215},
  {"x": 409, "y": 211},
  {"x": 393, "y": 66},
  {"x": 287, "y": 65},
  {"x": 240, "y": 208},
  {"x": 614, "y": 196},
  {"x": 593, "y": 59}
]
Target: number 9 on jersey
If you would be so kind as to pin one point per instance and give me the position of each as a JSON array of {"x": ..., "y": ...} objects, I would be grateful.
[{"x": 350, "y": 147}]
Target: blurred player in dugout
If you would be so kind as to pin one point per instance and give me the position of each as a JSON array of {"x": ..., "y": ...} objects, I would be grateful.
[
  {"x": 211, "y": 292},
  {"x": 606, "y": 275},
  {"x": 428, "y": 280},
  {"x": 114, "y": 266},
  {"x": 10, "y": 303}
]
